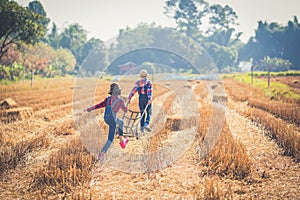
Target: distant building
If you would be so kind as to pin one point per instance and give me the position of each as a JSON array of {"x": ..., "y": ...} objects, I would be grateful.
[{"x": 127, "y": 67}]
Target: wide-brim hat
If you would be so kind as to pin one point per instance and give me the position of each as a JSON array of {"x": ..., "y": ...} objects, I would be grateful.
[{"x": 143, "y": 73}]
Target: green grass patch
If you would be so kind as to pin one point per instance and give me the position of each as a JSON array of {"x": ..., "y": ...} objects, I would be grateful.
[
  {"x": 277, "y": 90},
  {"x": 275, "y": 74}
]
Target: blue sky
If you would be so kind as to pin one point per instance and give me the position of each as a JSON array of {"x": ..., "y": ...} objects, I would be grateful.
[{"x": 103, "y": 18}]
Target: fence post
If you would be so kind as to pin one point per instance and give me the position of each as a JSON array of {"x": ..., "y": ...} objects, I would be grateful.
[
  {"x": 269, "y": 75},
  {"x": 32, "y": 74},
  {"x": 252, "y": 74}
]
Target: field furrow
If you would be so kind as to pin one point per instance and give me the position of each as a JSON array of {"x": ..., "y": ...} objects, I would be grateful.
[{"x": 205, "y": 144}]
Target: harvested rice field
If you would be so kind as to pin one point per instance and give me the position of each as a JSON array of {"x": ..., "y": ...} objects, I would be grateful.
[{"x": 217, "y": 139}]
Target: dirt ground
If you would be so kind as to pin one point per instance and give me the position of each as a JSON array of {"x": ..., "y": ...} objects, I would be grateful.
[
  {"x": 273, "y": 176},
  {"x": 292, "y": 81}
]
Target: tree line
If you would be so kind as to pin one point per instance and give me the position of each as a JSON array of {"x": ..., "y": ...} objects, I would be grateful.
[{"x": 30, "y": 44}]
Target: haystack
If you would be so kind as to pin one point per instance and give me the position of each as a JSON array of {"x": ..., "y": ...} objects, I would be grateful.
[
  {"x": 19, "y": 113},
  {"x": 213, "y": 86},
  {"x": 219, "y": 99},
  {"x": 177, "y": 123},
  {"x": 8, "y": 103}
]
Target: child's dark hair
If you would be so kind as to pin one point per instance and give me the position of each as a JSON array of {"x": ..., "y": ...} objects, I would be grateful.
[{"x": 114, "y": 89}]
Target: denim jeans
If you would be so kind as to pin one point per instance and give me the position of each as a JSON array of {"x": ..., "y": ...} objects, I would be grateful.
[
  {"x": 145, "y": 120},
  {"x": 112, "y": 131}
]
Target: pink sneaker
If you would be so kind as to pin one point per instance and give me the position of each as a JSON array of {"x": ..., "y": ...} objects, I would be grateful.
[
  {"x": 124, "y": 142},
  {"x": 101, "y": 157}
]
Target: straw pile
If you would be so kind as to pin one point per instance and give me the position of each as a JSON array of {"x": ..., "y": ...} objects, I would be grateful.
[
  {"x": 19, "y": 113},
  {"x": 7, "y": 104}
]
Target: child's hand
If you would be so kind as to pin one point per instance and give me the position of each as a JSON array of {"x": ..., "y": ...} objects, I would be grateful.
[{"x": 87, "y": 110}]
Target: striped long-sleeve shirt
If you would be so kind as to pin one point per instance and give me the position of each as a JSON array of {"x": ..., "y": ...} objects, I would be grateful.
[
  {"x": 119, "y": 105},
  {"x": 140, "y": 85}
]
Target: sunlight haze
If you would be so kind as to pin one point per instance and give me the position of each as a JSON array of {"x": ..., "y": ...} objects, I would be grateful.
[{"x": 103, "y": 19}]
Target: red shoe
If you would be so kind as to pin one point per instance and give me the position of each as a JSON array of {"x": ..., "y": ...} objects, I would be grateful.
[{"x": 124, "y": 143}]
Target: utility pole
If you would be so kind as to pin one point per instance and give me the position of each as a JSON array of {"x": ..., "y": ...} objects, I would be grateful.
[{"x": 268, "y": 62}]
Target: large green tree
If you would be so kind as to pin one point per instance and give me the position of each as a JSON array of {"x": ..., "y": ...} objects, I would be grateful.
[
  {"x": 63, "y": 62},
  {"x": 18, "y": 24},
  {"x": 291, "y": 43},
  {"x": 223, "y": 57},
  {"x": 218, "y": 37},
  {"x": 275, "y": 41},
  {"x": 154, "y": 44},
  {"x": 275, "y": 64},
  {"x": 53, "y": 38},
  {"x": 188, "y": 15},
  {"x": 222, "y": 43},
  {"x": 74, "y": 37},
  {"x": 222, "y": 24},
  {"x": 95, "y": 59},
  {"x": 38, "y": 8},
  {"x": 222, "y": 17},
  {"x": 36, "y": 58}
]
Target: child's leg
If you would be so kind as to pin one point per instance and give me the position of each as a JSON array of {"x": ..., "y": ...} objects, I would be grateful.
[
  {"x": 123, "y": 142},
  {"x": 149, "y": 113},
  {"x": 142, "y": 108},
  {"x": 106, "y": 146},
  {"x": 110, "y": 139},
  {"x": 120, "y": 123},
  {"x": 143, "y": 100}
]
